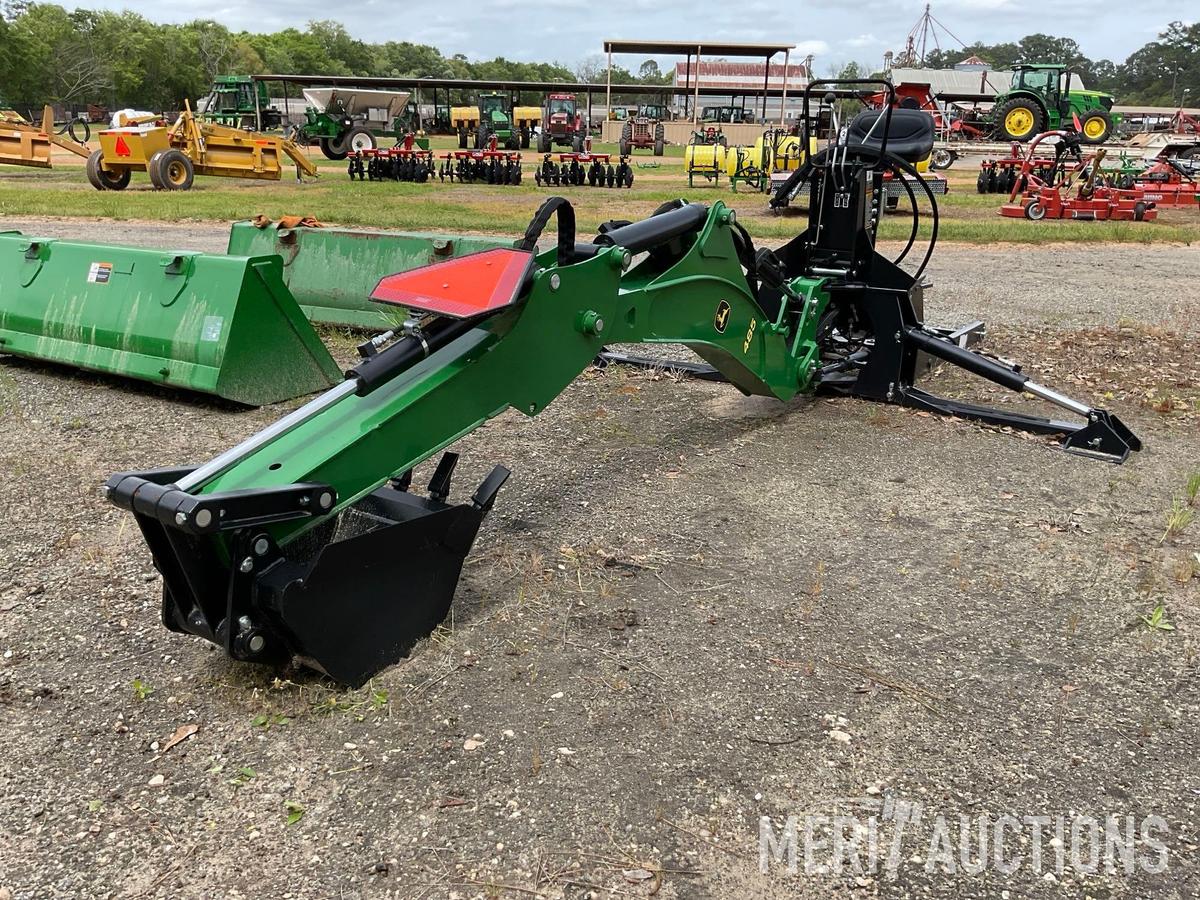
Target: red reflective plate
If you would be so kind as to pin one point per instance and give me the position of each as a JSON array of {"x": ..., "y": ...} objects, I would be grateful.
[{"x": 460, "y": 288}]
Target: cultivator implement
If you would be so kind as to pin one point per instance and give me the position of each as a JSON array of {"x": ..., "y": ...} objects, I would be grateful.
[
  {"x": 489, "y": 166},
  {"x": 215, "y": 324},
  {"x": 308, "y": 540},
  {"x": 332, "y": 271},
  {"x": 584, "y": 167},
  {"x": 404, "y": 162},
  {"x": 25, "y": 144}
]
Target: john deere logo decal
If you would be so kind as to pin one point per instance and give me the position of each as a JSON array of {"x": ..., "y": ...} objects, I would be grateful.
[{"x": 721, "y": 319}]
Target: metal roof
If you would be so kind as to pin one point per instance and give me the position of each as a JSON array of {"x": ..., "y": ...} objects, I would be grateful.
[
  {"x": 1167, "y": 111},
  {"x": 465, "y": 84},
  {"x": 665, "y": 48}
]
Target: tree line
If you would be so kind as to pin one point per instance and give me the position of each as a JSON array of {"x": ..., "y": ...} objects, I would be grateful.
[{"x": 51, "y": 55}]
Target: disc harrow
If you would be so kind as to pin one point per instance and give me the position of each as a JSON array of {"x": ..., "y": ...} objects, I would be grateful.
[
  {"x": 488, "y": 166},
  {"x": 404, "y": 162},
  {"x": 585, "y": 167}
]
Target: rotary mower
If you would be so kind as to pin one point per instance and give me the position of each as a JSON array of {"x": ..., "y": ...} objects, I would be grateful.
[
  {"x": 488, "y": 166},
  {"x": 1170, "y": 180},
  {"x": 308, "y": 540},
  {"x": 1091, "y": 200}
]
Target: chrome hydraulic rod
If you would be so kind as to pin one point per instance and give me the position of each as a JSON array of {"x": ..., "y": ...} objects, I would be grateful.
[
  {"x": 200, "y": 476},
  {"x": 1045, "y": 393}
]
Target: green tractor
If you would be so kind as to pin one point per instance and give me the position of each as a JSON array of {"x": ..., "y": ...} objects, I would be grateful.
[
  {"x": 231, "y": 101},
  {"x": 1041, "y": 99}
]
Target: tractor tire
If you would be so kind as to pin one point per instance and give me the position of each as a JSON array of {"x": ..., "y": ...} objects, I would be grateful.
[
  {"x": 981, "y": 182},
  {"x": 173, "y": 170},
  {"x": 624, "y": 147},
  {"x": 331, "y": 149},
  {"x": 524, "y": 138},
  {"x": 1187, "y": 152},
  {"x": 1035, "y": 212},
  {"x": 481, "y": 137},
  {"x": 462, "y": 137},
  {"x": 1019, "y": 119},
  {"x": 1139, "y": 211},
  {"x": 1097, "y": 126},
  {"x": 658, "y": 147},
  {"x": 660, "y": 139},
  {"x": 102, "y": 180},
  {"x": 577, "y": 143},
  {"x": 941, "y": 158},
  {"x": 357, "y": 140}
]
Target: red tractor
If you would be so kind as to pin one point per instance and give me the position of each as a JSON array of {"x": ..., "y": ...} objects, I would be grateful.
[
  {"x": 645, "y": 131},
  {"x": 562, "y": 124}
]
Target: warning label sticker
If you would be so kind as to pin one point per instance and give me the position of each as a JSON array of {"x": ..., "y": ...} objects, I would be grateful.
[
  {"x": 212, "y": 328},
  {"x": 100, "y": 273}
]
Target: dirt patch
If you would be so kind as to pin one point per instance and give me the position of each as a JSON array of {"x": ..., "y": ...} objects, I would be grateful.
[{"x": 679, "y": 599}]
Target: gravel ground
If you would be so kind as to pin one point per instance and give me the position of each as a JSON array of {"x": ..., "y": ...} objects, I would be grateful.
[{"x": 687, "y": 611}]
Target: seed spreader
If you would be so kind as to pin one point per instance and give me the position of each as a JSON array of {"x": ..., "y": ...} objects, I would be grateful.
[{"x": 309, "y": 541}]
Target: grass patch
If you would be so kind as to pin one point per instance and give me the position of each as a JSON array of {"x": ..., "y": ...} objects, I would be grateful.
[{"x": 966, "y": 216}]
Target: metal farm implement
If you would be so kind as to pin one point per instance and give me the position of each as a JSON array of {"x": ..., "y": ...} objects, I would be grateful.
[
  {"x": 1067, "y": 198},
  {"x": 999, "y": 175},
  {"x": 174, "y": 155},
  {"x": 25, "y": 144},
  {"x": 309, "y": 540},
  {"x": 583, "y": 167},
  {"x": 488, "y": 166},
  {"x": 404, "y": 162}
]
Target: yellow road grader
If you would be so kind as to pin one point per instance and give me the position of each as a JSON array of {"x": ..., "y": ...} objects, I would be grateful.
[
  {"x": 23, "y": 143},
  {"x": 174, "y": 155}
]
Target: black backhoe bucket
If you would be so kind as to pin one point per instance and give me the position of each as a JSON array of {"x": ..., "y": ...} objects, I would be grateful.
[{"x": 349, "y": 598}]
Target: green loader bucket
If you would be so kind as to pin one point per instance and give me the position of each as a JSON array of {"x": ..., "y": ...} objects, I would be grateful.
[
  {"x": 223, "y": 325},
  {"x": 332, "y": 271}
]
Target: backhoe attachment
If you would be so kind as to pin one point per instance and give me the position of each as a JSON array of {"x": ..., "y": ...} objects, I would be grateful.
[{"x": 306, "y": 540}]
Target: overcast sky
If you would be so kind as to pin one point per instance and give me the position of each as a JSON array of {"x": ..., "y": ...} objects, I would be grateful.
[{"x": 570, "y": 30}]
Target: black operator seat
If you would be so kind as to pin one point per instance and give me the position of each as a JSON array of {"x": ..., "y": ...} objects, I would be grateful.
[{"x": 910, "y": 134}]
